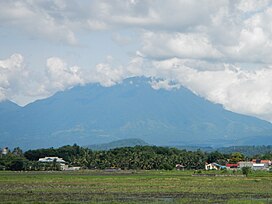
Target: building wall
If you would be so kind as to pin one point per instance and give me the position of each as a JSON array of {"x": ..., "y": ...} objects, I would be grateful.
[{"x": 245, "y": 164}]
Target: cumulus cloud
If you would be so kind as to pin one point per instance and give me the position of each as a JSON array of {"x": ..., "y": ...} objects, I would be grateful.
[
  {"x": 178, "y": 45},
  {"x": 21, "y": 84},
  {"x": 108, "y": 76},
  {"x": 252, "y": 5},
  {"x": 9, "y": 69},
  {"x": 60, "y": 20},
  {"x": 218, "y": 26},
  {"x": 61, "y": 76},
  {"x": 38, "y": 19}
]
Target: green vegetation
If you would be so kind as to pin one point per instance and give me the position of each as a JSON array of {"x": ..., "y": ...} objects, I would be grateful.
[
  {"x": 236, "y": 157},
  {"x": 117, "y": 144},
  {"x": 125, "y": 158},
  {"x": 246, "y": 170},
  {"x": 96, "y": 186},
  {"x": 138, "y": 157},
  {"x": 120, "y": 176}
]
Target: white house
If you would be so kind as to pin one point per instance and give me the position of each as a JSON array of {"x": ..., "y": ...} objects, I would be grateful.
[
  {"x": 253, "y": 166},
  {"x": 72, "y": 168},
  {"x": 63, "y": 165},
  {"x": 5, "y": 151},
  {"x": 245, "y": 164},
  {"x": 214, "y": 166},
  {"x": 51, "y": 159},
  {"x": 180, "y": 167},
  {"x": 258, "y": 166}
]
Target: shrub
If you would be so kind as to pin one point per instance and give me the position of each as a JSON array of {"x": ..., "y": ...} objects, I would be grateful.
[{"x": 246, "y": 170}]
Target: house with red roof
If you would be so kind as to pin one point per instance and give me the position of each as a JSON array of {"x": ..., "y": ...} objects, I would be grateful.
[{"x": 232, "y": 166}]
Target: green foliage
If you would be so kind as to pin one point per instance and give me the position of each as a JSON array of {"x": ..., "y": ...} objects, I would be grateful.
[
  {"x": 17, "y": 165},
  {"x": 18, "y": 152},
  {"x": 138, "y": 157},
  {"x": 135, "y": 158},
  {"x": 246, "y": 170},
  {"x": 13, "y": 160},
  {"x": 217, "y": 157},
  {"x": 236, "y": 157}
]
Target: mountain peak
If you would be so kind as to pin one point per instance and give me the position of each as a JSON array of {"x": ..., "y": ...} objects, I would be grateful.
[{"x": 94, "y": 114}]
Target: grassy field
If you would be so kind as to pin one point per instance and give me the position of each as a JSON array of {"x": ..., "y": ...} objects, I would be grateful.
[{"x": 133, "y": 187}]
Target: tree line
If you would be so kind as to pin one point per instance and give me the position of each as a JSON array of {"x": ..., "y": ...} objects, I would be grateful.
[{"x": 138, "y": 157}]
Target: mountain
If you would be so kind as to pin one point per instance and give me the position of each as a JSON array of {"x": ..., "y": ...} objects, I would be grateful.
[
  {"x": 94, "y": 114},
  {"x": 118, "y": 143},
  {"x": 8, "y": 106},
  {"x": 247, "y": 150}
]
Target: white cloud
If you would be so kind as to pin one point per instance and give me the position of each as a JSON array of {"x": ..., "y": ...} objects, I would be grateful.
[
  {"x": 37, "y": 19},
  {"x": 121, "y": 39},
  {"x": 9, "y": 72},
  {"x": 252, "y": 5},
  {"x": 164, "y": 84},
  {"x": 59, "y": 20},
  {"x": 21, "y": 84},
  {"x": 228, "y": 35},
  {"x": 190, "y": 45},
  {"x": 108, "y": 76},
  {"x": 96, "y": 25},
  {"x": 62, "y": 77},
  {"x": 14, "y": 62}
]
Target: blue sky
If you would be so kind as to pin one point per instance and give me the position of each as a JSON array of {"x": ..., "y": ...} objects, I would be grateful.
[{"x": 221, "y": 50}]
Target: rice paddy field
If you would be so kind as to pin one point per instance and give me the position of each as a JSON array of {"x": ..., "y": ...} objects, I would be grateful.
[{"x": 134, "y": 187}]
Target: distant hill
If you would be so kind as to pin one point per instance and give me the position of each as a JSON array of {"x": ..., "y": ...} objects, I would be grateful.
[
  {"x": 247, "y": 150},
  {"x": 195, "y": 148},
  {"x": 118, "y": 143},
  {"x": 93, "y": 114}
]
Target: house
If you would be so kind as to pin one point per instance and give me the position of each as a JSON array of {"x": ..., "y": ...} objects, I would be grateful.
[
  {"x": 267, "y": 163},
  {"x": 245, "y": 164},
  {"x": 232, "y": 166},
  {"x": 253, "y": 165},
  {"x": 214, "y": 166},
  {"x": 259, "y": 166},
  {"x": 73, "y": 168},
  {"x": 4, "y": 151},
  {"x": 62, "y": 163},
  {"x": 180, "y": 167},
  {"x": 112, "y": 169},
  {"x": 52, "y": 159}
]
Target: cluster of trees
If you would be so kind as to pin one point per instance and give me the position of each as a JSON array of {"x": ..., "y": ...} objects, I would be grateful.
[
  {"x": 14, "y": 160},
  {"x": 138, "y": 157}
]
